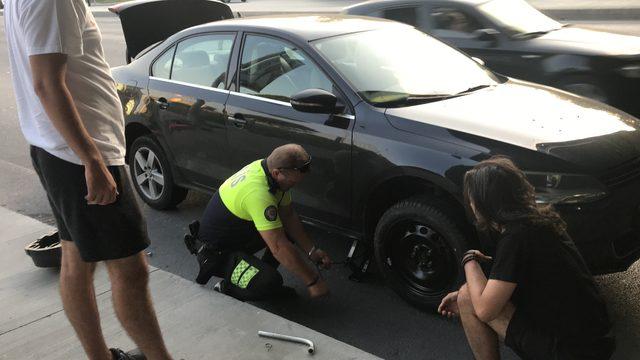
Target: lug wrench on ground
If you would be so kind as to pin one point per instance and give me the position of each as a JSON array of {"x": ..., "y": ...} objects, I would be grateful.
[{"x": 288, "y": 338}]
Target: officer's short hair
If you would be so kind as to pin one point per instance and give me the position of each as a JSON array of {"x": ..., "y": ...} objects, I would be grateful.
[{"x": 287, "y": 156}]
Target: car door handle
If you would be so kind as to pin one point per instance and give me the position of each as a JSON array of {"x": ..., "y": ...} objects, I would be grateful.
[
  {"x": 238, "y": 121},
  {"x": 163, "y": 103}
]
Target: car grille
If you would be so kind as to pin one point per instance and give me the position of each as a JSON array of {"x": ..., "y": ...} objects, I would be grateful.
[{"x": 622, "y": 174}]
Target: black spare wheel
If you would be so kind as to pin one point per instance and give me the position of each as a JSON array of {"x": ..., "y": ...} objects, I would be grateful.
[
  {"x": 151, "y": 175},
  {"x": 418, "y": 248}
]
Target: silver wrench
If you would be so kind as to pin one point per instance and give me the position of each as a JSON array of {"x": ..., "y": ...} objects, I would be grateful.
[{"x": 293, "y": 339}]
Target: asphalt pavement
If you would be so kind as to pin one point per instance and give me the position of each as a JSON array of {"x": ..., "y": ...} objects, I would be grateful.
[{"x": 366, "y": 315}]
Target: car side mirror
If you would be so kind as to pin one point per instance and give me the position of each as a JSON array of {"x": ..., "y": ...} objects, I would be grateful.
[
  {"x": 315, "y": 101},
  {"x": 487, "y": 35}
]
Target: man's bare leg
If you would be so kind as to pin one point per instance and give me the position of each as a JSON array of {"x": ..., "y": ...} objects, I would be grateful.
[
  {"x": 133, "y": 306},
  {"x": 79, "y": 301}
]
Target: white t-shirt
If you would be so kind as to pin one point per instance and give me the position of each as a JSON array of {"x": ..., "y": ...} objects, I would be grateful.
[{"x": 64, "y": 26}]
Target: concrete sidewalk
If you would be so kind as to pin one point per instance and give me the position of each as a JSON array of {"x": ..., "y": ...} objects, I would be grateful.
[{"x": 197, "y": 323}]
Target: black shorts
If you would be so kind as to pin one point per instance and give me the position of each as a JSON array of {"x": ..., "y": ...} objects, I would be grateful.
[
  {"x": 531, "y": 342},
  {"x": 101, "y": 232}
]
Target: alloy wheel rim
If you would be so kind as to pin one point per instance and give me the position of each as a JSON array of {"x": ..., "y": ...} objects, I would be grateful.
[{"x": 148, "y": 173}]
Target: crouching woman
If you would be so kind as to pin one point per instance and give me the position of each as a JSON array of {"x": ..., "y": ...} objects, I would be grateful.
[{"x": 540, "y": 298}]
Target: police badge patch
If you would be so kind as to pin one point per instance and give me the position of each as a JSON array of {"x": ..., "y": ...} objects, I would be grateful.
[{"x": 271, "y": 213}]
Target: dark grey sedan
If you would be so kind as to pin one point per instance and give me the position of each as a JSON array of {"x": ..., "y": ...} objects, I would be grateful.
[
  {"x": 516, "y": 40},
  {"x": 392, "y": 117}
]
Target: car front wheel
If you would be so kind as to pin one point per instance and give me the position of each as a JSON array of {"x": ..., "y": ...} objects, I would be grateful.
[
  {"x": 151, "y": 175},
  {"x": 584, "y": 85},
  {"x": 418, "y": 248}
]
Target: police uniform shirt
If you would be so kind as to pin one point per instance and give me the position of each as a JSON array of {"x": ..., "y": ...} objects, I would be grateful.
[{"x": 247, "y": 202}]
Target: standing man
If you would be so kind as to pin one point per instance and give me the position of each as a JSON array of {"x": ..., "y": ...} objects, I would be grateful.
[
  {"x": 252, "y": 210},
  {"x": 70, "y": 113}
]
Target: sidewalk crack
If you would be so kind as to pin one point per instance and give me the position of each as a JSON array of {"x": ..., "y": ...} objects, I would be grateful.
[{"x": 44, "y": 317}]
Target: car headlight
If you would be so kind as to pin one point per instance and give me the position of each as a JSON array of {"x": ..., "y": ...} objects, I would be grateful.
[
  {"x": 630, "y": 71},
  {"x": 565, "y": 188}
]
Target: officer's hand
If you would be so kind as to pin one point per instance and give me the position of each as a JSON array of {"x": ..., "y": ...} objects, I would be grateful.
[
  {"x": 319, "y": 289},
  {"x": 321, "y": 258}
]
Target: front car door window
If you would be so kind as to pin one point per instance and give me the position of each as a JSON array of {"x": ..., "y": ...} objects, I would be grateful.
[
  {"x": 260, "y": 118},
  {"x": 203, "y": 60},
  {"x": 276, "y": 70},
  {"x": 452, "y": 22}
]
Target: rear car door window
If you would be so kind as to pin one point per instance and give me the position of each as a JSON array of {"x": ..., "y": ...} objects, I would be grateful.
[
  {"x": 453, "y": 22},
  {"x": 162, "y": 66},
  {"x": 407, "y": 15},
  {"x": 275, "y": 69},
  {"x": 203, "y": 60}
]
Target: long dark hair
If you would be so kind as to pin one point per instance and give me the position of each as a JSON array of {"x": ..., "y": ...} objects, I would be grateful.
[{"x": 502, "y": 196}]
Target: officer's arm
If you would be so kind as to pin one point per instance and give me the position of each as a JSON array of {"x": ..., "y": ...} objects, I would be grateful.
[
  {"x": 287, "y": 254},
  {"x": 293, "y": 227}
]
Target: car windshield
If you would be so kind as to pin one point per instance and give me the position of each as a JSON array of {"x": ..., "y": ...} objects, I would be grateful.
[
  {"x": 401, "y": 67},
  {"x": 517, "y": 17}
]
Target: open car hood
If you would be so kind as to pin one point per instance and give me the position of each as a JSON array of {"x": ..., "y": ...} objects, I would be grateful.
[{"x": 145, "y": 22}]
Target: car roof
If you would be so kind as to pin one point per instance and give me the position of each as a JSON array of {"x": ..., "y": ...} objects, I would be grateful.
[
  {"x": 372, "y": 5},
  {"x": 303, "y": 27}
]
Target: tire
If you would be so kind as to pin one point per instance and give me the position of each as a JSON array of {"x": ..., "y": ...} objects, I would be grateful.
[
  {"x": 418, "y": 247},
  {"x": 584, "y": 85},
  {"x": 153, "y": 183}
]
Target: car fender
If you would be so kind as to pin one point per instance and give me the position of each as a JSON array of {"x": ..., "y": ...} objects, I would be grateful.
[{"x": 564, "y": 64}]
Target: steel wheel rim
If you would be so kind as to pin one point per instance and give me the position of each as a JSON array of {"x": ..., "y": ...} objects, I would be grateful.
[
  {"x": 148, "y": 173},
  {"x": 421, "y": 257}
]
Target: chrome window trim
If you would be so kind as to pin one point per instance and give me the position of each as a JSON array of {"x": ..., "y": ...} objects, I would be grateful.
[
  {"x": 346, "y": 116},
  {"x": 250, "y": 96}
]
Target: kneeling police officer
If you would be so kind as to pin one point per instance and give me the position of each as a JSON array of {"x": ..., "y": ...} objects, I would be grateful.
[{"x": 252, "y": 210}]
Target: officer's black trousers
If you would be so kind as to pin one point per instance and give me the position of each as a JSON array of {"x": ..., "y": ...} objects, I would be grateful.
[{"x": 248, "y": 277}]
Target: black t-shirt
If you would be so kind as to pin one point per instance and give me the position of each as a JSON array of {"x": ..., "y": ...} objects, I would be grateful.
[{"x": 554, "y": 288}]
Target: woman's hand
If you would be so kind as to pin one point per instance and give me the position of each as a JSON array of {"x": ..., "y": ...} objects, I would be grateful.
[{"x": 449, "y": 305}]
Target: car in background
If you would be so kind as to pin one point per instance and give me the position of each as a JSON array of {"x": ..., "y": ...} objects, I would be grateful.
[
  {"x": 517, "y": 40},
  {"x": 393, "y": 119}
]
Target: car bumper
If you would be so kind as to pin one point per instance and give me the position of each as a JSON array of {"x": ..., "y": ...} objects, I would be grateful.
[{"x": 607, "y": 232}]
